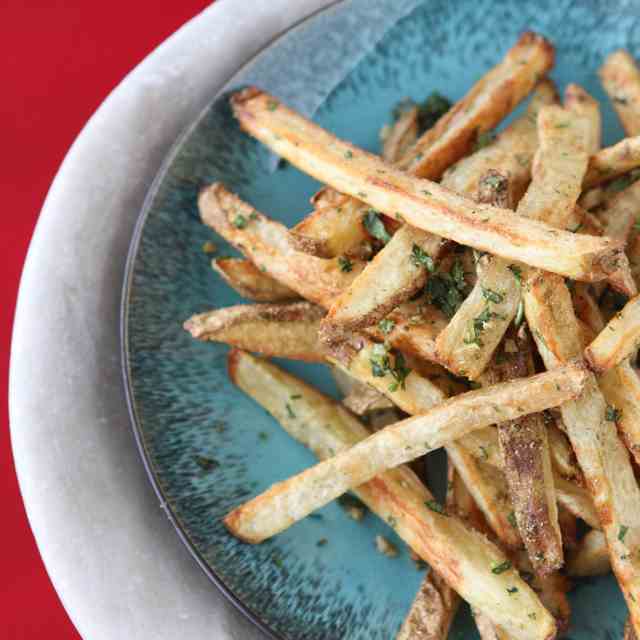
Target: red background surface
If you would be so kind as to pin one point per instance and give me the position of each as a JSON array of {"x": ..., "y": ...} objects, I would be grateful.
[{"x": 59, "y": 61}]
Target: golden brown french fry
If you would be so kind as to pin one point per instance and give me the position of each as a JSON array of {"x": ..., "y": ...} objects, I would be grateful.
[
  {"x": 576, "y": 500},
  {"x": 629, "y": 631},
  {"x": 558, "y": 167},
  {"x": 586, "y": 307},
  {"x": 620, "y": 78},
  {"x": 393, "y": 276},
  {"x": 488, "y": 487},
  {"x": 397, "y": 137},
  {"x": 618, "y": 340},
  {"x": 569, "y": 527},
  {"x": 511, "y": 153},
  {"x": 467, "y": 344},
  {"x": 378, "y": 366},
  {"x": 422, "y": 203},
  {"x": 431, "y": 612},
  {"x": 611, "y": 162},
  {"x": 621, "y": 388},
  {"x": 484, "y": 106},
  {"x": 576, "y": 99},
  {"x": 591, "y": 557},
  {"x": 282, "y": 330},
  {"x": 250, "y": 282},
  {"x": 358, "y": 396},
  {"x": 618, "y": 214},
  {"x": 527, "y": 460},
  {"x": 466, "y": 560},
  {"x": 333, "y": 230},
  {"x": 591, "y": 198},
  {"x": 591, "y": 428},
  {"x": 408, "y": 439}
]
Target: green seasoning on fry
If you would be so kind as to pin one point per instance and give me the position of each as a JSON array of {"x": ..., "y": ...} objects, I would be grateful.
[
  {"x": 622, "y": 532},
  {"x": 447, "y": 291},
  {"x": 435, "y": 506},
  {"x": 348, "y": 155},
  {"x": 512, "y": 590},
  {"x": 374, "y": 225},
  {"x": 512, "y": 519},
  {"x": 421, "y": 258},
  {"x": 497, "y": 569},
  {"x": 492, "y": 296},
  {"x": 290, "y": 412},
  {"x": 612, "y": 414},
  {"x": 272, "y": 105},
  {"x": 484, "y": 139},
  {"x": 239, "y": 222},
  {"x": 345, "y": 264},
  {"x": 386, "y": 325}
]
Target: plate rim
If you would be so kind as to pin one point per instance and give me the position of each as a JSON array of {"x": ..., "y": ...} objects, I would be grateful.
[{"x": 123, "y": 320}]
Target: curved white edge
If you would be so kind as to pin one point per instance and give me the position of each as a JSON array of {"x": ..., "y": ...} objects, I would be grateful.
[{"x": 112, "y": 555}]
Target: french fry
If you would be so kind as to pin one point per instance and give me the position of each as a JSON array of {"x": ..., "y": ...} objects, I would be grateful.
[
  {"x": 576, "y": 500},
  {"x": 591, "y": 428},
  {"x": 464, "y": 558},
  {"x": 422, "y": 203},
  {"x": 333, "y": 230},
  {"x": 558, "y": 167},
  {"x": 591, "y": 557},
  {"x": 379, "y": 289},
  {"x": 569, "y": 527},
  {"x": 621, "y": 388},
  {"x": 358, "y": 396},
  {"x": 511, "y": 153},
  {"x": 527, "y": 461},
  {"x": 467, "y": 344},
  {"x": 618, "y": 214},
  {"x": 484, "y": 106},
  {"x": 620, "y": 78},
  {"x": 399, "y": 136},
  {"x": 586, "y": 308},
  {"x": 618, "y": 340},
  {"x": 611, "y": 162},
  {"x": 408, "y": 439},
  {"x": 489, "y": 489},
  {"x": 576, "y": 99},
  {"x": 629, "y": 631},
  {"x": 250, "y": 282},
  {"x": 282, "y": 330}
]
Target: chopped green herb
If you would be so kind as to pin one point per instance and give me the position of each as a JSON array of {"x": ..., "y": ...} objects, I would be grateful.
[
  {"x": 435, "y": 506},
  {"x": 484, "y": 139},
  {"x": 562, "y": 125},
  {"x": 622, "y": 532},
  {"x": 386, "y": 325},
  {"x": 540, "y": 337},
  {"x": 517, "y": 272},
  {"x": 523, "y": 159},
  {"x": 519, "y": 313},
  {"x": 497, "y": 569},
  {"x": 431, "y": 110},
  {"x": 362, "y": 194},
  {"x": 577, "y": 228},
  {"x": 295, "y": 396},
  {"x": 399, "y": 216},
  {"x": 290, "y": 412},
  {"x": 421, "y": 258},
  {"x": 272, "y": 105},
  {"x": 478, "y": 326},
  {"x": 533, "y": 616},
  {"x": 345, "y": 264},
  {"x": 206, "y": 464},
  {"x": 263, "y": 435},
  {"x": 492, "y": 296},
  {"x": 511, "y": 590},
  {"x": 239, "y": 222},
  {"x": 392, "y": 522},
  {"x": 374, "y": 225},
  {"x": 484, "y": 453},
  {"x": 426, "y": 193},
  {"x": 253, "y": 216},
  {"x": 512, "y": 519},
  {"x": 348, "y": 154},
  {"x": 447, "y": 290},
  {"x": 612, "y": 414}
]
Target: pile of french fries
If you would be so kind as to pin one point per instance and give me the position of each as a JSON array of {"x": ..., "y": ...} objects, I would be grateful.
[{"x": 479, "y": 291}]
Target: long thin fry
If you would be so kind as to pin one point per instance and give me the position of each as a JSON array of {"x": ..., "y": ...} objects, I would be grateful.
[
  {"x": 618, "y": 214},
  {"x": 258, "y": 520},
  {"x": 422, "y": 203},
  {"x": 488, "y": 101},
  {"x": 250, "y": 282},
  {"x": 621, "y": 388},
  {"x": 620, "y": 78},
  {"x": 591, "y": 428},
  {"x": 576, "y": 99},
  {"x": 464, "y": 557},
  {"x": 618, "y": 340},
  {"x": 285, "y": 330},
  {"x": 511, "y": 153},
  {"x": 612, "y": 162}
]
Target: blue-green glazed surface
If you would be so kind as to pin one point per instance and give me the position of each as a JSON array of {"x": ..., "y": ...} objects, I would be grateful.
[{"x": 347, "y": 67}]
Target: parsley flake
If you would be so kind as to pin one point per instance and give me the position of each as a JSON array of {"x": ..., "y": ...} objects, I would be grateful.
[
  {"x": 239, "y": 222},
  {"x": 435, "y": 506},
  {"x": 374, "y": 225},
  {"x": 497, "y": 569},
  {"x": 622, "y": 532},
  {"x": 421, "y": 258},
  {"x": 345, "y": 264}
]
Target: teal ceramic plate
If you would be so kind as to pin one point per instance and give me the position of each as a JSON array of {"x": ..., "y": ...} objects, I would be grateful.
[{"x": 184, "y": 408}]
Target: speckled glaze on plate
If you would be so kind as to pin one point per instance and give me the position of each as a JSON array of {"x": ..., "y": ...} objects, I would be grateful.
[{"x": 183, "y": 406}]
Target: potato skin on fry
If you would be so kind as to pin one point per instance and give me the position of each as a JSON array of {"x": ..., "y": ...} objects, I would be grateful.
[{"x": 285, "y": 330}]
